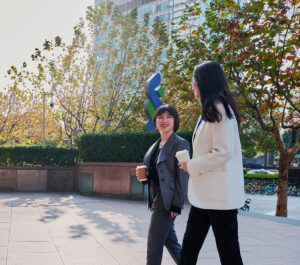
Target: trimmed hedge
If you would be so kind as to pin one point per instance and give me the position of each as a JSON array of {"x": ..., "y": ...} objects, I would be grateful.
[
  {"x": 118, "y": 147},
  {"x": 261, "y": 176},
  {"x": 37, "y": 156}
]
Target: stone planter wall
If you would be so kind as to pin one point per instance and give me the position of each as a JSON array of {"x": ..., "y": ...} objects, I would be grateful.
[
  {"x": 33, "y": 178},
  {"x": 114, "y": 179}
]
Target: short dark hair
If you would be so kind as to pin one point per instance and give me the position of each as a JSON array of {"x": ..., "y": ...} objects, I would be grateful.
[
  {"x": 171, "y": 110},
  {"x": 213, "y": 85}
]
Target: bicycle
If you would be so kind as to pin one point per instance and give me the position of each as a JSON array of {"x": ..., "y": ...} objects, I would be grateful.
[
  {"x": 271, "y": 189},
  {"x": 246, "y": 207},
  {"x": 293, "y": 190},
  {"x": 250, "y": 187}
]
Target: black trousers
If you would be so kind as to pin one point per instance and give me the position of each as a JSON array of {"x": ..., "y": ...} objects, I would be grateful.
[{"x": 225, "y": 229}]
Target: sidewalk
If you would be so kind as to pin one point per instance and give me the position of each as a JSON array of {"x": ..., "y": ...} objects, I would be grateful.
[{"x": 69, "y": 229}]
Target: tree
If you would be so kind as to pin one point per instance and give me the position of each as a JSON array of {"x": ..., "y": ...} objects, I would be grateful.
[
  {"x": 98, "y": 80},
  {"x": 257, "y": 43},
  {"x": 15, "y": 106},
  {"x": 254, "y": 140},
  {"x": 21, "y": 111},
  {"x": 286, "y": 137}
]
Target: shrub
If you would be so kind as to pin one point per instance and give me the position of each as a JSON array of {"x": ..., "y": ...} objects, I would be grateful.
[
  {"x": 261, "y": 176},
  {"x": 118, "y": 147},
  {"x": 37, "y": 156}
]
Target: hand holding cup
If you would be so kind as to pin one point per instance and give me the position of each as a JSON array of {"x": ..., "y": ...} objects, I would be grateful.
[
  {"x": 183, "y": 156},
  {"x": 141, "y": 173}
]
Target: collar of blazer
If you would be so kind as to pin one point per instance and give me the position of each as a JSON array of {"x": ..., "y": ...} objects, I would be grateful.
[
  {"x": 197, "y": 132},
  {"x": 163, "y": 153}
]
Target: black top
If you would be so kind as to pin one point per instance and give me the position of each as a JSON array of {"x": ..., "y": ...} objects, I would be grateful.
[
  {"x": 153, "y": 171},
  {"x": 153, "y": 176}
]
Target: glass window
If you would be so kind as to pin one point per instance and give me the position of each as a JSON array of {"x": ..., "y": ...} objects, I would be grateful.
[
  {"x": 163, "y": 6},
  {"x": 145, "y": 10},
  {"x": 164, "y": 17}
]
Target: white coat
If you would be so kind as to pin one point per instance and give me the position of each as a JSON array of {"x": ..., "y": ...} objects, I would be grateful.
[{"x": 216, "y": 171}]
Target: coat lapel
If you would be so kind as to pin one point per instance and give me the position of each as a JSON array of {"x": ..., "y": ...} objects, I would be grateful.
[
  {"x": 197, "y": 132},
  {"x": 194, "y": 133},
  {"x": 166, "y": 149}
]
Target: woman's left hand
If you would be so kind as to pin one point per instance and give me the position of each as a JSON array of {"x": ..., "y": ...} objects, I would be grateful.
[
  {"x": 183, "y": 166},
  {"x": 174, "y": 214}
]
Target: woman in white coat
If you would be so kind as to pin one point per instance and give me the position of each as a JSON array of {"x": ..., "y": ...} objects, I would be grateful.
[{"x": 216, "y": 184}]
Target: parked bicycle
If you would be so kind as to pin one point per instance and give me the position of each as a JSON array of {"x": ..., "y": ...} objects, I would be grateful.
[
  {"x": 293, "y": 190},
  {"x": 246, "y": 206},
  {"x": 250, "y": 187},
  {"x": 265, "y": 187}
]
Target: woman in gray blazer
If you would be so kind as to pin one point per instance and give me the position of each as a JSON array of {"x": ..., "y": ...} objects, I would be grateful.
[{"x": 167, "y": 185}]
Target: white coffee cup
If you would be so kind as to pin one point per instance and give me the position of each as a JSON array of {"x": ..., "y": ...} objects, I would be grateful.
[{"x": 183, "y": 156}]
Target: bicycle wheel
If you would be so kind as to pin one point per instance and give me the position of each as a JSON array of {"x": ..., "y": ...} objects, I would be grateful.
[
  {"x": 269, "y": 190},
  {"x": 248, "y": 187},
  {"x": 254, "y": 189}
]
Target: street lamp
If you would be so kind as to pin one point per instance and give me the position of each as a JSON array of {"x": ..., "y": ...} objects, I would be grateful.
[{"x": 44, "y": 111}]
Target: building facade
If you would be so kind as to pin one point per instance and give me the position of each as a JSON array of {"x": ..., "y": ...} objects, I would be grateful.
[{"x": 167, "y": 11}]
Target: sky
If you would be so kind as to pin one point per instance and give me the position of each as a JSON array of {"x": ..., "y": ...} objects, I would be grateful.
[{"x": 25, "y": 24}]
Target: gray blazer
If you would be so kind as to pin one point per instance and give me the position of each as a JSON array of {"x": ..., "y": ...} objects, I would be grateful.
[{"x": 172, "y": 180}]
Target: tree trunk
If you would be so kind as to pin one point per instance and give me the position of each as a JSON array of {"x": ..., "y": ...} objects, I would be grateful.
[
  {"x": 284, "y": 162},
  {"x": 267, "y": 159}
]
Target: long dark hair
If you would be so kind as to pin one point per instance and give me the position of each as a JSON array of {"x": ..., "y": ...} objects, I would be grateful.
[{"x": 213, "y": 86}]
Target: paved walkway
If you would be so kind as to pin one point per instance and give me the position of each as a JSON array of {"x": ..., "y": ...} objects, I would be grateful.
[
  {"x": 69, "y": 229},
  {"x": 266, "y": 204}
]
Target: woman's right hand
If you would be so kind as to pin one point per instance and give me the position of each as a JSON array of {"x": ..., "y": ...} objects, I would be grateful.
[{"x": 138, "y": 176}]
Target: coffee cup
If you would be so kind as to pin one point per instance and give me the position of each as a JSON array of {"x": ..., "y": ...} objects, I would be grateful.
[
  {"x": 183, "y": 156},
  {"x": 141, "y": 173}
]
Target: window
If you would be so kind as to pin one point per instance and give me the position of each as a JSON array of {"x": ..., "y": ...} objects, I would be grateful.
[
  {"x": 145, "y": 10},
  {"x": 163, "y": 6},
  {"x": 164, "y": 18}
]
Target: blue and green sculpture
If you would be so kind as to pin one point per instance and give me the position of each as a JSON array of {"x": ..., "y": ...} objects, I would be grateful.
[{"x": 153, "y": 92}]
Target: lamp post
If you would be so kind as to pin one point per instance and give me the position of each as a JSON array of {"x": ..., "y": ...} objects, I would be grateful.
[{"x": 44, "y": 111}]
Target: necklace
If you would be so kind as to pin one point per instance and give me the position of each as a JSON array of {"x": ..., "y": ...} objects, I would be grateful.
[{"x": 161, "y": 144}]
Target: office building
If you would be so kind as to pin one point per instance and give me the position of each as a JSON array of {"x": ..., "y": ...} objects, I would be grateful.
[{"x": 166, "y": 11}]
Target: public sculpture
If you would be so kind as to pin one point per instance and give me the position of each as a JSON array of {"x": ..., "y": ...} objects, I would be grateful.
[{"x": 153, "y": 92}]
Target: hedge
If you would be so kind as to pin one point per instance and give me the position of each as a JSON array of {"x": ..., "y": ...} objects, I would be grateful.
[
  {"x": 37, "y": 156},
  {"x": 261, "y": 176},
  {"x": 118, "y": 147}
]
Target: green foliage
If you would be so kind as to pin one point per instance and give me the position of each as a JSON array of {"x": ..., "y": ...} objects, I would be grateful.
[
  {"x": 256, "y": 42},
  {"x": 254, "y": 140},
  {"x": 261, "y": 176},
  {"x": 37, "y": 156},
  {"x": 118, "y": 147}
]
